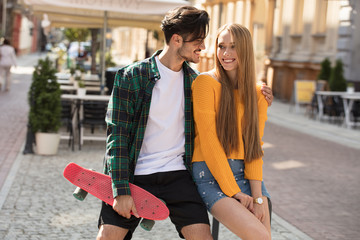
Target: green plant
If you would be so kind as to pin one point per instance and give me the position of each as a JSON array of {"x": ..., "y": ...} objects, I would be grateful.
[
  {"x": 109, "y": 61},
  {"x": 81, "y": 83},
  {"x": 80, "y": 68},
  {"x": 337, "y": 81},
  {"x": 76, "y": 34},
  {"x": 72, "y": 71},
  {"x": 44, "y": 99},
  {"x": 325, "y": 70}
]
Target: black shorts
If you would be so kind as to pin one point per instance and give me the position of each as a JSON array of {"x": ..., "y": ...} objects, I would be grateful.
[{"x": 179, "y": 192}]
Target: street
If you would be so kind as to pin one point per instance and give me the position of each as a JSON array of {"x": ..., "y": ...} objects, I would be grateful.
[{"x": 313, "y": 182}]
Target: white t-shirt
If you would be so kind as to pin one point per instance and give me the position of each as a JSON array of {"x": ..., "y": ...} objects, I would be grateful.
[{"x": 164, "y": 140}]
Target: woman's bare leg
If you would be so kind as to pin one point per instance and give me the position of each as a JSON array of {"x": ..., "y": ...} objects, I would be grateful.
[{"x": 240, "y": 220}]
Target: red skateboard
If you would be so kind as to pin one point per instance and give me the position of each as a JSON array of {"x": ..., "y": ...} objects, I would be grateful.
[{"x": 147, "y": 205}]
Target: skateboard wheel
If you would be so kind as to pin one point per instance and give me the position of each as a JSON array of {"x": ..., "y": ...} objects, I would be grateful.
[
  {"x": 147, "y": 224},
  {"x": 80, "y": 194}
]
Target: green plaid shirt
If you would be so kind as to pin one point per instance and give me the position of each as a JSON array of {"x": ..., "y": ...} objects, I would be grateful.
[{"x": 127, "y": 115}]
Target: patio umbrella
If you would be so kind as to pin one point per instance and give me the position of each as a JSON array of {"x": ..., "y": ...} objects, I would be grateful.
[{"x": 103, "y": 14}]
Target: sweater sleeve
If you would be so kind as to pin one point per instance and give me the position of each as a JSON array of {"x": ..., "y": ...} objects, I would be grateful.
[
  {"x": 204, "y": 100},
  {"x": 253, "y": 170}
]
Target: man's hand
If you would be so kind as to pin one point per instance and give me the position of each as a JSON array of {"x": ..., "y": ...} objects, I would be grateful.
[
  {"x": 266, "y": 90},
  {"x": 124, "y": 205}
]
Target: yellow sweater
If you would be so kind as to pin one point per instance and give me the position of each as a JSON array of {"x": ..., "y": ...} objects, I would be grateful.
[{"x": 206, "y": 96}]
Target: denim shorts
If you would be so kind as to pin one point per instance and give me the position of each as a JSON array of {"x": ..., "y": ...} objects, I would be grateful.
[{"x": 208, "y": 187}]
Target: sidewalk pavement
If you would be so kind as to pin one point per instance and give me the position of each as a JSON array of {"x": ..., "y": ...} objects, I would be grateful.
[{"x": 36, "y": 201}]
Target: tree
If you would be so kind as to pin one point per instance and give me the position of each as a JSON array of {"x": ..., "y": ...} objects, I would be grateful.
[
  {"x": 325, "y": 71},
  {"x": 44, "y": 99},
  {"x": 337, "y": 81},
  {"x": 94, "y": 48},
  {"x": 76, "y": 34}
]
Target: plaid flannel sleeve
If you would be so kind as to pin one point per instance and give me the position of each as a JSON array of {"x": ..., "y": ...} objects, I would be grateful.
[{"x": 119, "y": 122}]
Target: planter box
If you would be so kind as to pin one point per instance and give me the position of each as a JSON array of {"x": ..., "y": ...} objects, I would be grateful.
[{"x": 47, "y": 143}]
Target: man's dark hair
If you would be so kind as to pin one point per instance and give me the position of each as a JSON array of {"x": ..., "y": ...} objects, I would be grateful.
[{"x": 186, "y": 21}]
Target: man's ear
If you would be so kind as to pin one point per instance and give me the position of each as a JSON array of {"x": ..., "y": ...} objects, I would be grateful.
[{"x": 176, "y": 39}]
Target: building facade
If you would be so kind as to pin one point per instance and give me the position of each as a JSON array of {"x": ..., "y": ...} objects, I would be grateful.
[
  {"x": 305, "y": 32},
  {"x": 256, "y": 15},
  {"x": 291, "y": 38}
]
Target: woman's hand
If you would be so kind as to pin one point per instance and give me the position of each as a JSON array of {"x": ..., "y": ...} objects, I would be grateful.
[
  {"x": 124, "y": 205},
  {"x": 259, "y": 210},
  {"x": 266, "y": 90},
  {"x": 245, "y": 200}
]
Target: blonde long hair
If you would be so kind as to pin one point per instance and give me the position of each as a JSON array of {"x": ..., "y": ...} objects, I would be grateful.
[{"x": 245, "y": 84}]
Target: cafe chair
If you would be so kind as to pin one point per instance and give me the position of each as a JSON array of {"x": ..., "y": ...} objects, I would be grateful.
[
  {"x": 94, "y": 113},
  {"x": 355, "y": 111},
  {"x": 313, "y": 108},
  {"x": 68, "y": 110},
  {"x": 334, "y": 108}
]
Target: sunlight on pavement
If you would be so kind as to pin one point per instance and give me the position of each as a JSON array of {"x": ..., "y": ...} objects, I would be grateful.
[
  {"x": 267, "y": 145},
  {"x": 22, "y": 70},
  {"x": 77, "y": 217},
  {"x": 287, "y": 165}
]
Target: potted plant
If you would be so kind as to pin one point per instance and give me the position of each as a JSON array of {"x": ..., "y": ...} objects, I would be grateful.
[
  {"x": 72, "y": 74},
  {"x": 325, "y": 70},
  {"x": 323, "y": 77},
  {"x": 337, "y": 81},
  {"x": 45, "y": 108},
  {"x": 80, "y": 86},
  {"x": 350, "y": 87}
]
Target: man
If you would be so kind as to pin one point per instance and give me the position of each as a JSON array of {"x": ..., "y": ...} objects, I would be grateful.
[{"x": 150, "y": 132}]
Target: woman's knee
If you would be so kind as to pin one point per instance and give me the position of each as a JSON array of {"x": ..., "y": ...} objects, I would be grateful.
[{"x": 259, "y": 234}]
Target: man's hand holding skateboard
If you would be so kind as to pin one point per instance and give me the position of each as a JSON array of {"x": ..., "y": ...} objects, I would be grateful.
[{"x": 124, "y": 205}]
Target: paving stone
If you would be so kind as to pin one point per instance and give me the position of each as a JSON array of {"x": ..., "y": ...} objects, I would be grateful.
[{"x": 40, "y": 205}]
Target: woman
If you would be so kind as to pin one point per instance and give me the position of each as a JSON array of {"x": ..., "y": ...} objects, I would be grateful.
[
  {"x": 7, "y": 59},
  {"x": 230, "y": 115}
]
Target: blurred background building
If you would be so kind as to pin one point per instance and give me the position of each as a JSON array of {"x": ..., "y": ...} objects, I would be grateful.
[
  {"x": 291, "y": 37},
  {"x": 21, "y": 27},
  {"x": 307, "y": 31}
]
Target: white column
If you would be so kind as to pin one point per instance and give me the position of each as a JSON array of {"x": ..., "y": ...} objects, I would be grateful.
[{"x": 306, "y": 39}]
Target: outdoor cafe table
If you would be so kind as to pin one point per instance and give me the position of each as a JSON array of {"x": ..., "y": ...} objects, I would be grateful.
[
  {"x": 65, "y": 82},
  {"x": 348, "y": 101},
  {"x": 321, "y": 96},
  {"x": 61, "y": 75},
  {"x": 91, "y": 77},
  {"x": 72, "y": 88},
  {"x": 79, "y": 99},
  {"x": 105, "y": 98},
  {"x": 86, "y": 83}
]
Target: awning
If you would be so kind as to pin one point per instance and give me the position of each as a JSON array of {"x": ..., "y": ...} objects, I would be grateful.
[
  {"x": 90, "y": 13},
  {"x": 103, "y": 14}
]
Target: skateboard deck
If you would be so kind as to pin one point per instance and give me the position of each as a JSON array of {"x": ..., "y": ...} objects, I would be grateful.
[{"x": 99, "y": 185}]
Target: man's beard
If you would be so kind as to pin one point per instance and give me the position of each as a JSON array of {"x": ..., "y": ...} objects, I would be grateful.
[{"x": 187, "y": 58}]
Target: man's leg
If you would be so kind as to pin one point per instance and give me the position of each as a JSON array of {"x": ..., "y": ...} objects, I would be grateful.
[
  {"x": 113, "y": 226},
  {"x": 187, "y": 210},
  {"x": 110, "y": 232}
]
